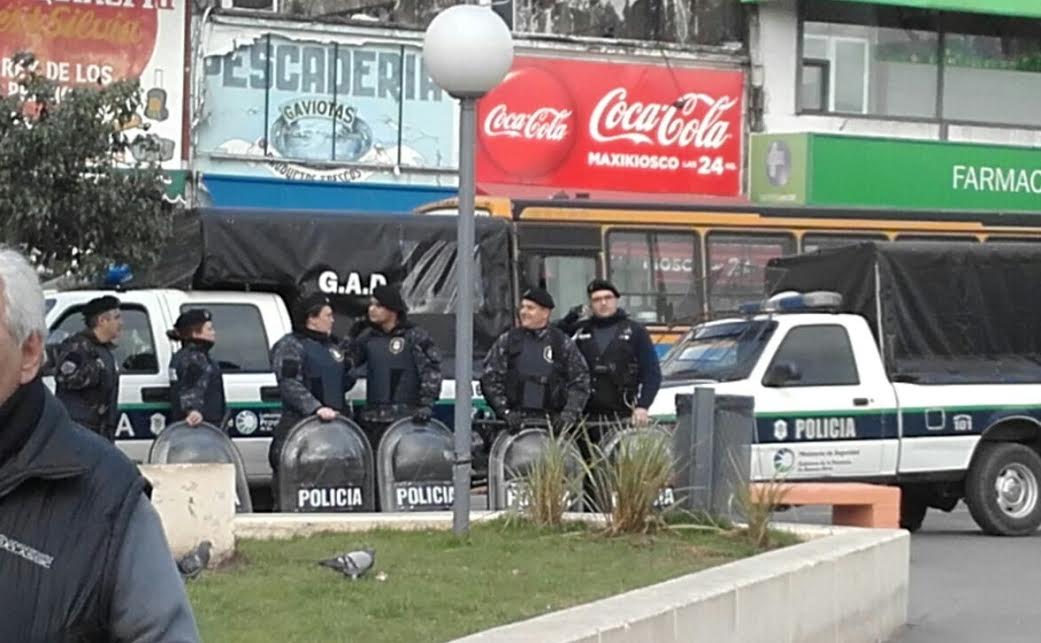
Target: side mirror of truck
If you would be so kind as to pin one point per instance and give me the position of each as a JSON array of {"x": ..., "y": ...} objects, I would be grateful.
[{"x": 781, "y": 373}]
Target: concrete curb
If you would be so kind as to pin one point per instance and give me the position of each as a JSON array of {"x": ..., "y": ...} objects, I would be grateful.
[{"x": 844, "y": 585}]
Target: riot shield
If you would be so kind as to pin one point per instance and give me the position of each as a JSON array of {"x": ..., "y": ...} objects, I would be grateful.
[
  {"x": 326, "y": 467},
  {"x": 614, "y": 439},
  {"x": 202, "y": 444},
  {"x": 414, "y": 465},
  {"x": 511, "y": 459}
]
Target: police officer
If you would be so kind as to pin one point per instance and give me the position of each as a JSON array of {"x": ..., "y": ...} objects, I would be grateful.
[
  {"x": 196, "y": 381},
  {"x": 87, "y": 375},
  {"x": 623, "y": 365},
  {"x": 312, "y": 370},
  {"x": 535, "y": 370},
  {"x": 403, "y": 366}
]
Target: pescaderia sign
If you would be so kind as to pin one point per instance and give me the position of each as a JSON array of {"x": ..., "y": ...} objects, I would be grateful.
[
  {"x": 331, "y": 107},
  {"x": 833, "y": 170},
  {"x": 86, "y": 42}
]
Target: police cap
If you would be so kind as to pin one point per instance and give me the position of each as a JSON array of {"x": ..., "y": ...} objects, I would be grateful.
[
  {"x": 99, "y": 306},
  {"x": 602, "y": 284},
  {"x": 189, "y": 320},
  {"x": 390, "y": 298},
  {"x": 540, "y": 297},
  {"x": 310, "y": 305}
]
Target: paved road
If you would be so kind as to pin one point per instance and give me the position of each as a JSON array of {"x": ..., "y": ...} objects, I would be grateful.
[{"x": 971, "y": 588}]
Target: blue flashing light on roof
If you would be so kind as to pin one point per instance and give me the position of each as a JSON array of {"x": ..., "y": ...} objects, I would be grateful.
[
  {"x": 794, "y": 302},
  {"x": 118, "y": 275}
]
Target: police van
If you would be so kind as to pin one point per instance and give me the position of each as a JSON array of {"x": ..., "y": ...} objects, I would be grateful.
[{"x": 915, "y": 364}]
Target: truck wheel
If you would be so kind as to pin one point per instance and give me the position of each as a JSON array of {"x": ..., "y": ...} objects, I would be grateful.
[
  {"x": 913, "y": 506},
  {"x": 1002, "y": 489}
]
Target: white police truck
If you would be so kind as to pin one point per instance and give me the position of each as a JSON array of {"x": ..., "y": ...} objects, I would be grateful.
[{"x": 915, "y": 363}]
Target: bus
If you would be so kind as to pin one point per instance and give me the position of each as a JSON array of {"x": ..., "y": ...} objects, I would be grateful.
[{"x": 677, "y": 265}]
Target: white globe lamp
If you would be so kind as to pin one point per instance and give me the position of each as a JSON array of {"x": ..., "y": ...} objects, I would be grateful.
[{"x": 468, "y": 50}]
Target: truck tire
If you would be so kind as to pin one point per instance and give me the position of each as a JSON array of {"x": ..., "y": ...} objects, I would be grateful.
[
  {"x": 1003, "y": 489},
  {"x": 913, "y": 505}
]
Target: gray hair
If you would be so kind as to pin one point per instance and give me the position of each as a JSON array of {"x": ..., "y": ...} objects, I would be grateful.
[{"x": 23, "y": 296}]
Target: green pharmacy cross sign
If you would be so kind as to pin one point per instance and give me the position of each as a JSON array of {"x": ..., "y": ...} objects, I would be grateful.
[{"x": 846, "y": 171}]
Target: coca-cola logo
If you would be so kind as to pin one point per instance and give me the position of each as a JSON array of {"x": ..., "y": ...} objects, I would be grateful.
[
  {"x": 527, "y": 123},
  {"x": 543, "y": 124},
  {"x": 694, "y": 120}
]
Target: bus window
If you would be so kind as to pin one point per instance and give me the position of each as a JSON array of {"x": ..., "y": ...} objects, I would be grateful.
[
  {"x": 1030, "y": 240},
  {"x": 937, "y": 237},
  {"x": 815, "y": 242},
  {"x": 737, "y": 265},
  {"x": 564, "y": 276},
  {"x": 658, "y": 274}
]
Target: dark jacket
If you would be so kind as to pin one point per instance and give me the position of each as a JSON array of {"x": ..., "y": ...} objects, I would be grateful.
[
  {"x": 623, "y": 364},
  {"x": 403, "y": 367},
  {"x": 87, "y": 382},
  {"x": 196, "y": 384},
  {"x": 69, "y": 503}
]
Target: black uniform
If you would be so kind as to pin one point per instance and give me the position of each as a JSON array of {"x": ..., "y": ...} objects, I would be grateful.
[
  {"x": 623, "y": 365},
  {"x": 87, "y": 382},
  {"x": 535, "y": 373},
  {"x": 403, "y": 375},
  {"x": 313, "y": 370},
  {"x": 196, "y": 383}
]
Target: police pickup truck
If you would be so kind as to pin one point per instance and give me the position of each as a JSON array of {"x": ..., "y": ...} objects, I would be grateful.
[
  {"x": 248, "y": 325},
  {"x": 915, "y": 364}
]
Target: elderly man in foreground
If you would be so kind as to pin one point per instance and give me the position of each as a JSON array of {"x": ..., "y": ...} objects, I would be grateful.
[{"x": 83, "y": 556}]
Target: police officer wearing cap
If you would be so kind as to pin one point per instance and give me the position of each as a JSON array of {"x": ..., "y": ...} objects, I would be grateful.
[
  {"x": 196, "y": 381},
  {"x": 535, "y": 370},
  {"x": 87, "y": 374},
  {"x": 312, "y": 370},
  {"x": 403, "y": 366},
  {"x": 623, "y": 364}
]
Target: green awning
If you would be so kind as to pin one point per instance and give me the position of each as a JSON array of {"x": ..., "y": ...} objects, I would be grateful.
[{"x": 1020, "y": 8}]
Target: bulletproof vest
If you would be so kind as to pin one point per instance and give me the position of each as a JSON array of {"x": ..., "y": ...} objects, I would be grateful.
[
  {"x": 213, "y": 404},
  {"x": 324, "y": 372},
  {"x": 535, "y": 375},
  {"x": 96, "y": 408},
  {"x": 614, "y": 371},
  {"x": 392, "y": 374}
]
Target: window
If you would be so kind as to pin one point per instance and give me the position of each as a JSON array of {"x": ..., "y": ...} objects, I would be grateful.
[
  {"x": 658, "y": 274},
  {"x": 822, "y": 354},
  {"x": 565, "y": 277},
  {"x": 893, "y": 61},
  {"x": 242, "y": 342},
  {"x": 737, "y": 266},
  {"x": 815, "y": 242},
  {"x": 134, "y": 350},
  {"x": 936, "y": 237}
]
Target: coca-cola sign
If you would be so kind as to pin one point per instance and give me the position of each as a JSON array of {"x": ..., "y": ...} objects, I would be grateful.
[{"x": 613, "y": 126}]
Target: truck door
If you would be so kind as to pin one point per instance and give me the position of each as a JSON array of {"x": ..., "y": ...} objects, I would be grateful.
[
  {"x": 143, "y": 355},
  {"x": 824, "y": 407}
]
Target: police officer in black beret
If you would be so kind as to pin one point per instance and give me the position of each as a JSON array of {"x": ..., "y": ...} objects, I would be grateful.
[
  {"x": 535, "y": 370},
  {"x": 403, "y": 366},
  {"x": 196, "y": 381},
  {"x": 87, "y": 374},
  {"x": 623, "y": 364},
  {"x": 313, "y": 372}
]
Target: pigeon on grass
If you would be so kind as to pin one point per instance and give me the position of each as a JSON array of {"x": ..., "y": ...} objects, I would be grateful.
[
  {"x": 353, "y": 564},
  {"x": 198, "y": 559}
]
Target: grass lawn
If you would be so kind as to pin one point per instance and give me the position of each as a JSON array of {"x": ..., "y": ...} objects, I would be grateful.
[{"x": 436, "y": 587}]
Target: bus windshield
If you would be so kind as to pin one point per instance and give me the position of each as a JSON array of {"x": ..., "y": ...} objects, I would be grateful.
[{"x": 720, "y": 352}]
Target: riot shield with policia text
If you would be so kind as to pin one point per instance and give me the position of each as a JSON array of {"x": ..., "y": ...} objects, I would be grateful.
[
  {"x": 511, "y": 460},
  {"x": 180, "y": 443},
  {"x": 414, "y": 464},
  {"x": 326, "y": 466}
]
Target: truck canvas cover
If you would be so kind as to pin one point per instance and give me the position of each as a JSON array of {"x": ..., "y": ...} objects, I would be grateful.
[
  {"x": 345, "y": 255},
  {"x": 945, "y": 312}
]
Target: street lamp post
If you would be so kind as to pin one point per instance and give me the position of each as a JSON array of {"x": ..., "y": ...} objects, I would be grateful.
[{"x": 467, "y": 49}]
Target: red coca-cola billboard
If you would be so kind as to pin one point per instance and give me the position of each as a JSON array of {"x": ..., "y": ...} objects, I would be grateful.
[{"x": 577, "y": 125}]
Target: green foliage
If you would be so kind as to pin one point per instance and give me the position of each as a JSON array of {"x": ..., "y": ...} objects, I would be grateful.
[{"x": 66, "y": 195}]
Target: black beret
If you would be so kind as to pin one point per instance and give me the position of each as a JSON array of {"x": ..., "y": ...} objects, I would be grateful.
[
  {"x": 310, "y": 305},
  {"x": 99, "y": 305},
  {"x": 390, "y": 298},
  {"x": 192, "y": 318},
  {"x": 602, "y": 284},
  {"x": 540, "y": 297}
]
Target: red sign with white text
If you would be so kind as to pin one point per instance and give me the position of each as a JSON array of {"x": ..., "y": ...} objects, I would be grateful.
[{"x": 613, "y": 126}]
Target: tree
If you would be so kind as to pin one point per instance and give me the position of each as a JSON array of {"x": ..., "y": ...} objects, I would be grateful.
[{"x": 68, "y": 195}]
